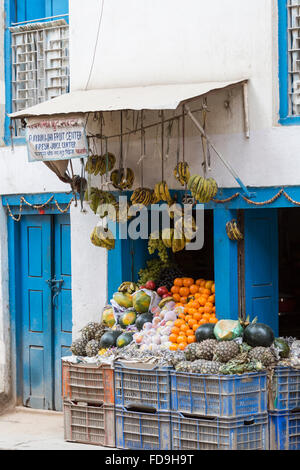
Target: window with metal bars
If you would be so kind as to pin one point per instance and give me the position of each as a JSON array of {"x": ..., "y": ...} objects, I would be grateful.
[{"x": 40, "y": 64}]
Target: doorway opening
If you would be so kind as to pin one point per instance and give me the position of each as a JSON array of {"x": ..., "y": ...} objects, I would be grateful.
[{"x": 289, "y": 272}]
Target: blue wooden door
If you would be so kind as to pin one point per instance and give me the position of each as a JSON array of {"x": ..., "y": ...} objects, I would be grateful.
[
  {"x": 46, "y": 312},
  {"x": 261, "y": 265}
]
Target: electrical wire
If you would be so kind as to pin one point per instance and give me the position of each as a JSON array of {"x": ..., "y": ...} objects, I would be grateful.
[{"x": 96, "y": 44}]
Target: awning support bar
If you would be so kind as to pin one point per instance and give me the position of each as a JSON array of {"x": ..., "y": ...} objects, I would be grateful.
[
  {"x": 246, "y": 109},
  {"x": 228, "y": 166}
]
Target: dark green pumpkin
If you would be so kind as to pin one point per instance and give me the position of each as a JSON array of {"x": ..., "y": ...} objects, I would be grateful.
[
  {"x": 142, "y": 319},
  {"x": 258, "y": 334},
  {"x": 124, "y": 339},
  {"x": 108, "y": 340},
  {"x": 204, "y": 332}
]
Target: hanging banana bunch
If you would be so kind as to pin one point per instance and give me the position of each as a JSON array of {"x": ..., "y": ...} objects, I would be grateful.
[
  {"x": 96, "y": 196},
  {"x": 122, "y": 179},
  {"x": 178, "y": 241},
  {"x": 103, "y": 238},
  {"x": 161, "y": 192},
  {"x": 100, "y": 164},
  {"x": 202, "y": 189},
  {"x": 182, "y": 173},
  {"x": 142, "y": 196},
  {"x": 233, "y": 231}
]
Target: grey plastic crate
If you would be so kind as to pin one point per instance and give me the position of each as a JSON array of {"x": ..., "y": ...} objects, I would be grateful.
[
  {"x": 285, "y": 389},
  {"x": 89, "y": 424},
  {"x": 142, "y": 431},
  {"x": 247, "y": 433},
  {"x": 88, "y": 383},
  {"x": 142, "y": 385}
]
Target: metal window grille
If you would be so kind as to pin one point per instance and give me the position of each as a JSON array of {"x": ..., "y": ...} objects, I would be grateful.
[
  {"x": 40, "y": 64},
  {"x": 294, "y": 56}
]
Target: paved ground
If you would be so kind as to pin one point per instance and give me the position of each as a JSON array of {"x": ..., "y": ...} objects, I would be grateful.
[{"x": 26, "y": 429}]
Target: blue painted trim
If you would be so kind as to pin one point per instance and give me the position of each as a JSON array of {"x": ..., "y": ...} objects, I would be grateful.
[
  {"x": 283, "y": 62},
  {"x": 14, "y": 200}
]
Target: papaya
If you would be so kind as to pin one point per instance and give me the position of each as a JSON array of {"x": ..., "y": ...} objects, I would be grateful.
[
  {"x": 226, "y": 330},
  {"x": 127, "y": 318},
  {"x": 124, "y": 339},
  {"x": 141, "y": 301},
  {"x": 108, "y": 317},
  {"x": 123, "y": 299}
]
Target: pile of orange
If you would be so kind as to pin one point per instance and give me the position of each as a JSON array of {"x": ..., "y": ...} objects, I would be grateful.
[{"x": 197, "y": 299}]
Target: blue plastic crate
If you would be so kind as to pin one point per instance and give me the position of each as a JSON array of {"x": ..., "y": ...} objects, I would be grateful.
[
  {"x": 219, "y": 395},
  {"x": 284, "y": 428},
  {"x": 142, "y": 431},
  {"x": 285, "y": 389},
  {"x": 247, "y": 433},
  {"x": 139, "y": 386}
]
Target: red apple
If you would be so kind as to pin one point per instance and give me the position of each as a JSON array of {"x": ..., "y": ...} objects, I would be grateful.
[
  {"x": 165, "y": 296},
  {"x": 150, "y": 285},
  {"x": 162, "y": 291}
]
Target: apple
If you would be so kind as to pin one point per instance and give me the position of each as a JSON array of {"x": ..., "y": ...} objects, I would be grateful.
[
  {"x": 162, "y": 291},
  {"x": 165, "y": 296},
  {"x": 150, "y": 285}
]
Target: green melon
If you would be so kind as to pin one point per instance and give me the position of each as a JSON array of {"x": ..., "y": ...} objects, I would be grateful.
[
  {"x": 141, "y": 301},
  {"x": 108, "y": 340},
  {"x": 127, "y": 318},
  {"x": 258, "y": 334},
  {"x": 204, "y": 332},
  {"x": 142, "y": 319}
]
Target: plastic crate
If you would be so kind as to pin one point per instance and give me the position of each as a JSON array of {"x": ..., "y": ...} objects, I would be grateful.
[
  {"x": 284, "y": 428},
  {"x": 89, "y": 424},
  {"x": 219, "y": 395},
  {"x": 88, "y": 383},
  {"x": 285, "y": 389},
  {"x": 247, "y": 433},
  {"x": 142, "y": 386},
  {"x": 142, "y": 431}
]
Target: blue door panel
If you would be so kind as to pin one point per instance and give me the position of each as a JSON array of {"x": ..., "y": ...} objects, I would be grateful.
[
  {"x": 45, "y": 320},
  {"x": 261, "y": 266},
  {"x": 36, "y": 311},
  {"x": 60, "y": 7}
]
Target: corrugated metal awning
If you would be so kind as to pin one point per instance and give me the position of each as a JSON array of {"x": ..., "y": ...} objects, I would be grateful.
[{"x": 116, "y": 99}]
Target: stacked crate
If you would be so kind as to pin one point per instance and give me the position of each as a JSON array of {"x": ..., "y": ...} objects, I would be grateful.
[
  {"x": 142, "y": 406},
  {"x": 284, "y": 409},
  {"x": 88, "y": 395},
  {"x": 212, "y": 412}
]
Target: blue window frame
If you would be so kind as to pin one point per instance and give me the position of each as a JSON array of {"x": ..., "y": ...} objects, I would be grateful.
[
  {"x": 286, "y": 116},
  {"x": 17, "y": 11}
]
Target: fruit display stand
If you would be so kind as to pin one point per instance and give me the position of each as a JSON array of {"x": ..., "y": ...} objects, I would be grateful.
[{"x": 284, "y": 430}]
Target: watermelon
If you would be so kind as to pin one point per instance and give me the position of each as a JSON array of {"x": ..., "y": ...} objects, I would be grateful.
[
  {"x": 204, "y": 332},
  {"x": 142, "y": 319},
  {"x": 258, "y": 334},
  {"x": 124, "y": 339},
  {"x": 226, "y": 330},
  {"x": 123, "y": 299},
  {"x": 127, "y": 318},
  {"x": 141, "y": 301},
  {"x": 108, "y": 317},
  {"x": 108, "y": 340}
]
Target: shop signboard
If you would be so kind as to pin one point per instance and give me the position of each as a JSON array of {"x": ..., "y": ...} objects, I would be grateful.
[{"x": 59, "y": 138}]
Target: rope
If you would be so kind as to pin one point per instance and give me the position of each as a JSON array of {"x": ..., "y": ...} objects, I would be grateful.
[
  {"x": 223, "y": 201},
  {"x": 269, "y": 201}
]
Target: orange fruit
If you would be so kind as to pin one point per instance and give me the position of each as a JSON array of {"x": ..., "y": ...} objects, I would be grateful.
[
  {"x": 207, "y": 292},
  {"x": 207, "y": 309},
  {"x": 178, "y": 282},
  {"x": 189, "y": 332},
  {"x": 179, "y": 322},
  {"x": 195, "y": 305},
  {"x": 173, "y": 347},
  {"x": 197, "y": 296},
  {"x": 202, "y": 322},
  {"x": 213, "y": 288},
  {"x": 211, "y": 299},
  {"x": 183, "y": 300},
  {"x": 214, "y": 309},
  {"x": 194, "y": 289},
  {"x": 202, "y": 300},
  {"x": 184, "y": 291},
  {"x": 181, "y": 339},
  {"x": 176, "y": 297},
  {"x": 197, "y": 316},
  {"x": 184, "y": 327},
  {"x": 213, "y": 320},
  {"x": 173, "y": 338},
  {"x": 188, "y": 281},
  {"x": 182, "y": 316},
  {"x": 196, "y": 326},
  {"x": 175, "y": 330},
  {"x": 191, "y": 339},
  {"x": 182, "y": 345},
  {"x": 188, "y": 317},
  {"x": 209, "y": 284},
  {"x": 202, "y": 283},
  {"x": 192, "y": 322},
  {"x": 199, "y": 281},
  {"x": 175, "y": 290}
]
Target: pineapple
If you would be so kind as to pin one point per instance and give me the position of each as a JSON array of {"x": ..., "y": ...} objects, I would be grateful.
[
  {"x": 206, "y": 349},
  {"x": 100, "y": 332},
  {"x": 89, "y": 331},
  {"x": 78, "y": 347},
  {"x": 263, "y": 355},
  {"x": 226, "y": 350},
  {"x": 92, "y": 348},
  {"x": 191, "y": 352},
  {"x": 206, "y": 367}
]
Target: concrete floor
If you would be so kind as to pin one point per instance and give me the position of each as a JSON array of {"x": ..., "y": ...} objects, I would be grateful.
[{"x": 27, "y": 429}]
